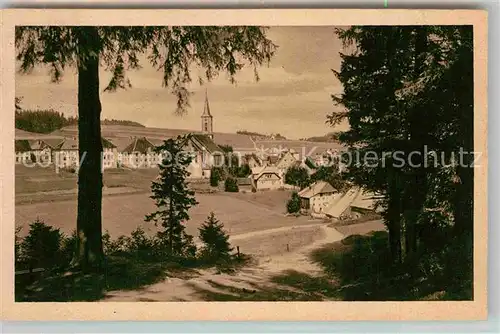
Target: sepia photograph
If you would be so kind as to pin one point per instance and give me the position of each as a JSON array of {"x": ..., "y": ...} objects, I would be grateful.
[{"x": 247, "y": 163}]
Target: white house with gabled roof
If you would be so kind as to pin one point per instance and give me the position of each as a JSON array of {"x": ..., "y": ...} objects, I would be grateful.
[
  {"x": 267, "y": 178},
  {"x": 317, "y": 197}
]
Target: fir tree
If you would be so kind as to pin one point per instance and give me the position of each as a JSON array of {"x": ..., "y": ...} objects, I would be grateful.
[
  {"x": 215, "y": 239},
  {"x": 293, "y": 204},
  {"x": 172, "y": 196},
  {"x": 214, "y": 177},
  {"x": 230, "y": 185}
]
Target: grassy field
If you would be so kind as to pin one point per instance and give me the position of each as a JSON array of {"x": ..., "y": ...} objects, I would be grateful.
[{"x": 41, "y": 193}]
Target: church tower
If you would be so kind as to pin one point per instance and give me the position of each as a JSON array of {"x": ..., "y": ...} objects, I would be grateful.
[{"x": 206, "y": 118}]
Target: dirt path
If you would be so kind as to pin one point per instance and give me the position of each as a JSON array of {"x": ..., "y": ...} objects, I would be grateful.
[
  {"x": 260, "y": 275},
  {"x": 299, "y": 260}
]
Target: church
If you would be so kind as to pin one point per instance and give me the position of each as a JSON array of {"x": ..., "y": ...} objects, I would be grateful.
[{"x": 206, "y": 152}]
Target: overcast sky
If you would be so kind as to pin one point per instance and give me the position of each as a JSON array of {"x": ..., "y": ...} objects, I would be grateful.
[{"x": 291, "y": 98}]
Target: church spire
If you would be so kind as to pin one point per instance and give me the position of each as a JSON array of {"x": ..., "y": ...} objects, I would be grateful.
[
  {"x": 206, "y": 108},
  {"x": 206, "y": 117}
]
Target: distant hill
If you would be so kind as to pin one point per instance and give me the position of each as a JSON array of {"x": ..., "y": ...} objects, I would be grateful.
[
  {"x": 47, "y": 121},
  {"x": 239, "y": 142},
  {"x": 276, "y": 136},
  {"x": 121, "y": 122},
  {"x": 332, "y": 137}
]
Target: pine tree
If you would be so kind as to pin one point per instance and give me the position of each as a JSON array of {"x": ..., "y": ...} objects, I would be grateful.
[
  {"x": 215, "y": 239},
  {"x": 214, "y": 177},
  {"x": 231, "y": 185},
  {"x": 408, "y": 89},
  {"x": 293, "y": 204},
  {"x": 172, "y": 196}
]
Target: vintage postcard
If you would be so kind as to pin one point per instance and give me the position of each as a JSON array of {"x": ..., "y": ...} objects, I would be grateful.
[{"x": 244, "y": 164}]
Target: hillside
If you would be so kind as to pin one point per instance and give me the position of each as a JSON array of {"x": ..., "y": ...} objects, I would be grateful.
[
  {"x": 47, "y": 121},
  {"x": 331, "y": 137},
  {"x": 239, "y": 142}
]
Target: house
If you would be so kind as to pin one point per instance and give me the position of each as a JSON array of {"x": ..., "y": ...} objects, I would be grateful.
[
  {"x": 302, "y": 164},
  {"x": 252, "y": 160},
  {"x": 40, "y": 146},
  {"x": 267, "y": 178},
  {"x": 139, "y": 153},
  {"x": 364, "y": 203},
  {"x": 353, "y": 204},
  {"x": 206, "y": 154},
  {"x": 66, "y": 154},
  {"x": 286, "y": 161},
  {"x": 109, "y": 154},
  {"x": 317, "y": 197},
  {"x": 23, "y": 151},
  {"x": 272, "y": 160},
  {"x": 245, "y": 183}
]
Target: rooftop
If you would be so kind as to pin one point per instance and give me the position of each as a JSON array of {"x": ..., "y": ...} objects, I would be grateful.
[{"x": 319, "y": 187}]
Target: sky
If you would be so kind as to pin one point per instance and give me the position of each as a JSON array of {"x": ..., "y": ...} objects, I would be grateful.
[{"x": 292, "y": 96}]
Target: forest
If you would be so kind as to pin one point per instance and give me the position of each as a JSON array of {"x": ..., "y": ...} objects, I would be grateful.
[{"x": 46, "y": 121}]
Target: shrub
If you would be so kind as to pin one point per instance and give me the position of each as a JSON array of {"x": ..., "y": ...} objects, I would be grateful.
[
  {"x": 17, "y": 244},
  {"x": 293, "y": 204},
  {"x": 214, "y": 177},
  {"x": 112, "y": 247},
  {"x": 230, "y": 185},
  {"x": 216, "y": 247},
  {"x": 68, "y": 246},
  {"x": 188, "y": 246},
  {"x": 41, "y": 247}
]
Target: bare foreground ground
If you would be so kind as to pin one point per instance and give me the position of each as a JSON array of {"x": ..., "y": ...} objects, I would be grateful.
[{"x": 280, "y": 245}]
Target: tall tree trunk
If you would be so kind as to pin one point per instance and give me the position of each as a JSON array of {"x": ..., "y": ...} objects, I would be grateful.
[
  {"x": 89, "y": 254},
  {"x": 394, "y": 215},
  {"x": 393, "y": 178},
  {"x": 463, "y": 84},
  {"x": 418, "y": 132}
]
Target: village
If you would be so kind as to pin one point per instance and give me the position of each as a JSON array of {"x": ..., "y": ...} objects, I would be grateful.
[{"x": 268, "y": 163}]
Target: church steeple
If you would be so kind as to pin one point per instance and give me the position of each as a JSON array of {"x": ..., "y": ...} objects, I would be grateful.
[{"x": 206, "y": 117}]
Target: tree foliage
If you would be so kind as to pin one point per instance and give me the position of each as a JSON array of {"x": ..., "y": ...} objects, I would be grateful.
[
  {"x": 231, "y": 185},
  {"x": 172, "y": 196},
  {"x": 42, "y": 121},
  {"x": 408, "y": 97},
  {"x": 41, "y": 247},
  {"x": 297, "y": 176},
  {"x": 172, "y": 50},
  {"x": 293, "y": 204},
  {"x": 215, "y": 240},
  {"x": 215, "y": 176}
]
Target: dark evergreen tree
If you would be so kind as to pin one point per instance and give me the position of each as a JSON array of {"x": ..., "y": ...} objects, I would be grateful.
[
  {"x": 172, "y": 196},
  {"x": 293, "y": 204},
  {"x": 215, "y": 240},
  {"x": 231, "y": 185},
  {"x": 409, "y": 89},
  {"x": 41, "y": 247},
  {"x": 215, "y": 176},
  {"x": 171, "y": 50}
]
